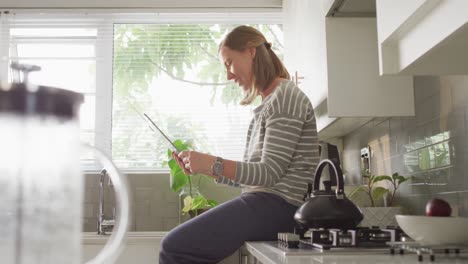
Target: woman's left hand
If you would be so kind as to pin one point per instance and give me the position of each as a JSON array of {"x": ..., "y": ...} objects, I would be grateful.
[{"x": 197, "y": 162}]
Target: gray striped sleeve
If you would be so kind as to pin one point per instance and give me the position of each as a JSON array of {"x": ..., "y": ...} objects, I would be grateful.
[{"x": 282, "y": 133}]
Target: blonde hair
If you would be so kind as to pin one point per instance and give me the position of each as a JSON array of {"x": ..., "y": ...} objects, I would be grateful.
[{"x": 266, "y": 65}]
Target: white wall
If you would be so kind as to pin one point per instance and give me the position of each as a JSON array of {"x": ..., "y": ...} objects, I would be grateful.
[{"x": 136, "y": 3}]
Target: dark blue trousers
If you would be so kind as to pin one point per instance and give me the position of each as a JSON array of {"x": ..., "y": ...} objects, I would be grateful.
[{"x": 219, "y": 232}]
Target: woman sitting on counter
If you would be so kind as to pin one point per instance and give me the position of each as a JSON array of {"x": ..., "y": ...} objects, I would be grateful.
[{"x": 280, "y": 157}]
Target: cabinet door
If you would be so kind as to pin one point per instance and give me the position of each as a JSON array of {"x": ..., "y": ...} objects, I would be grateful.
[
  {"x": 338, "y": 58},
  {"x": 355, "y": 87},
  {"x": 305, "y": 52},
  {"x": 423, "y": 37}
]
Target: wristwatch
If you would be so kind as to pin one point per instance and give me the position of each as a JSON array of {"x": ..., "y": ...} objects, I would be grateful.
[{"x": 218, "y": 167}]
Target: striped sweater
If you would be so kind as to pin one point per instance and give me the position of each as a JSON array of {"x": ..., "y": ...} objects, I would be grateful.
[{"x": 281, "y": 151}]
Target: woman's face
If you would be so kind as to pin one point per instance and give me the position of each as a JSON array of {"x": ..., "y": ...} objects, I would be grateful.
[{"x": 238, "y": 65}]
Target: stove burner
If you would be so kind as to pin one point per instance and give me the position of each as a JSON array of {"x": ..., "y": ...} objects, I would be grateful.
[
  {"x": 359, "y": 237},
  {"x": 367, "y": 237}
]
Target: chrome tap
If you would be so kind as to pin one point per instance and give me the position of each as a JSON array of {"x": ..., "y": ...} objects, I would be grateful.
[{"x": 104, "y": 225}]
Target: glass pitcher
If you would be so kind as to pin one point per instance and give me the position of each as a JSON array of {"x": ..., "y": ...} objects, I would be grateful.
[{"x": 41, "y": 185}]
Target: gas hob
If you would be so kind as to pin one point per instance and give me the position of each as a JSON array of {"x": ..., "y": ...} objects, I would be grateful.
[{"x": 362, "y": 240}]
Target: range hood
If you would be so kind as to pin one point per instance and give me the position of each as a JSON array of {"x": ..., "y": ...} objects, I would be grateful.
[{"x": 350, "y": 8}]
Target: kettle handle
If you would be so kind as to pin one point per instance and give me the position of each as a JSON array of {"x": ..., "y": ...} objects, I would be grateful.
[
  {"x": 338, "y": 174},
  {"x": 112, "y": 248}
]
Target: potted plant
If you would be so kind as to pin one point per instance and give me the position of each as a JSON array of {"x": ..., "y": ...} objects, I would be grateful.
[
  {"x": 375, "y": 215},
  {"x": 191, "y": 201}
]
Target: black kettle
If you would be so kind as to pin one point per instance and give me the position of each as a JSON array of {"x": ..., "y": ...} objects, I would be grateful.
[{"x": 328, "y": 209}]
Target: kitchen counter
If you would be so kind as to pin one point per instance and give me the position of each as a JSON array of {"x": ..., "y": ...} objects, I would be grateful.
[{"x": 262, "y": 252}]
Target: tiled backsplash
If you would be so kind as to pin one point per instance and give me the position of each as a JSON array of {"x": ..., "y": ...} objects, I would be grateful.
[
  {"x": 432, "y": 146},
  {"x": 153, "y": 203}
]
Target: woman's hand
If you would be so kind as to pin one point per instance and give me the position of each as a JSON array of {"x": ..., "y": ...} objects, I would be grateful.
[
  {"x": 195, "y": 162},
  {"x": 180, "y": 163}
]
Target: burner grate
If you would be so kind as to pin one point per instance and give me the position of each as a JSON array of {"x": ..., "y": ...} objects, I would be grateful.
[
  {"x": 362, "y": 237},
  {"x": 360, "y": 241},
  {"x": 420, "y": 250}
]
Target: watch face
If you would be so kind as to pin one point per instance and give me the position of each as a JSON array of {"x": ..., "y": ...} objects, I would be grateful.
[{"x": 218, "y": 168}]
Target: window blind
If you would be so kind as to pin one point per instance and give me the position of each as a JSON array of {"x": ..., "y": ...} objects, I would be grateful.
[
  {"x": 171, "y": 71},
  {"x": 164, "y": 64},
  {"x": 70, "y": 49}
]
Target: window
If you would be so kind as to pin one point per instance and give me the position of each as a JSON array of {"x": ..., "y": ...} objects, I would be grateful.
[
  {"x": 71, "y": 51},
  {"x": 172, "y": 73},
  {"x": 68, "y": 60},
  {"x": 165, "y": 65}
]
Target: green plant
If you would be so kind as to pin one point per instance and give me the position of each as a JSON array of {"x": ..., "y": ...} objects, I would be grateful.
[
  {"x": 377, "y": 192},
  {"x": 193, "y": 204},
  {"x": 196, "y": 205}
]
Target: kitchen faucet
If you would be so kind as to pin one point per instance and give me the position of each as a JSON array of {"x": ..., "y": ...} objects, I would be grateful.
[{"x": 104, "y": 225}]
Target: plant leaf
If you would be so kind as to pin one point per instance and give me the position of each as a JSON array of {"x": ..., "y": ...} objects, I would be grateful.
[
  {"x": 178, "y": 178},
  {"x": 188, "y": 201},
  {"x": 211, "y": 203},
  {"x": 182, "y": 145},
  {"x": 379, "y": 192},
  {"x": 402, "y": 179},
  {"x": 382, "y": 177},
  {"x": 169, "y": 153},
  {"x": 399, "y": 178},
  {"x": 199, "y": 202}
]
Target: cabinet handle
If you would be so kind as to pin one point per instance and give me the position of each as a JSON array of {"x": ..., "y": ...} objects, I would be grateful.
[{"x": 296, "y": 78}]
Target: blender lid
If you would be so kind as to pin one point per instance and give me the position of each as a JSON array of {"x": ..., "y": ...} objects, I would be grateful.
[{"x": 20, "y": 99}]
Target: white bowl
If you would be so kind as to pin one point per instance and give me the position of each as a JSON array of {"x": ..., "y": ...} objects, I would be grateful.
[{"x": 435, "y": 231}]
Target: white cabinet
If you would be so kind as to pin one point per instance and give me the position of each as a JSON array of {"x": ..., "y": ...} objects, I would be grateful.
[
  {"x": 338, "y": 58},
  {"x": 423, "y": 37}
]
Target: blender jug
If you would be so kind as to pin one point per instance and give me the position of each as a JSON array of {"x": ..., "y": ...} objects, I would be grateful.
[{"x": 41, "y": 185}]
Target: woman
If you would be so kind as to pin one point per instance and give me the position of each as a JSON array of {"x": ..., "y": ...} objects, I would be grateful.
[{"x": 280, "y": 156}]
